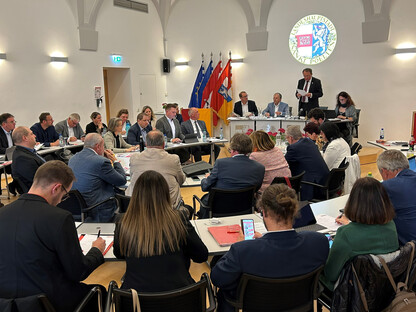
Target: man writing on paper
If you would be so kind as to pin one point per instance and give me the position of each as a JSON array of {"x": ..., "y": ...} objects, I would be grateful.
[
  {"x": 40, "y": 246},
  {"x": 70, "y": 128}
]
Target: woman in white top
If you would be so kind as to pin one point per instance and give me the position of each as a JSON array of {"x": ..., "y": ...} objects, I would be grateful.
[{"x": 335, "y": 148}]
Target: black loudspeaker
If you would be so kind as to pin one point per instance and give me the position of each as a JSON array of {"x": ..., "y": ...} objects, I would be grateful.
[{"x": 166, "y": 65}]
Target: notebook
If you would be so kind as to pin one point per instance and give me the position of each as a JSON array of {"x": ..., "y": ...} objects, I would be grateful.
[{"x": 225, "y": 235}]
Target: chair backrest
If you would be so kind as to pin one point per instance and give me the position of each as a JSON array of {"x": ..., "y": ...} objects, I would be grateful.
[
  {"x": 122, "y": 202},
  {"x": 34, "y": 303},
  {"x": 191, "y": 298},
  {"x": 355, "y": 148},
  {"x": 355, "y": 132},
  {"x": 92, "y": 300},
  {"x": 75, "y": 205},
  {"x": 278, "y": 294},
  {"x": 335, "y": 181},
  {"x": 9, "y": 152},
  {"x": 225, "y": 203},
  {"x": 21, "y": 187},
  {"x": 294, "y": 181}
]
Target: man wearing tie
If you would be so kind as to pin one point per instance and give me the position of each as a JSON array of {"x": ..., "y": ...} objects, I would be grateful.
[
  {"x": 313, "y": 89},
  {"x": 193, "y": 125},
  {"x": 137, "y": 133},
  {"x": 277, "y": 108}
]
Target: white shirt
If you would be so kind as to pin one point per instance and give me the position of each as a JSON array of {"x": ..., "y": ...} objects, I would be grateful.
[
  {"x": 307, "y": 90},
  {"x": 70, "y": 130},
  {"x": 195, "y": 125},
  {"x": 244, "y": 107},
  {"x": 276, "y": 108},
  {"x": 172, "y": 125},
  {"x": 9, "y": 137}
]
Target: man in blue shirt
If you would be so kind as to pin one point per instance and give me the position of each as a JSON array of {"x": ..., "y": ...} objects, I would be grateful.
[
  {"x": 400, "y": 184},
  {"x": 45, "y": 131}
]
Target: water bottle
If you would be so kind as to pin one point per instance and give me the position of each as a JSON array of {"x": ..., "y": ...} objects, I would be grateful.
[
  {"x": 166, "y": 141},
  {"x": 127, "y": 126},
  {"x": 204, "y": 136},
  {"x": 221, "y": 134},
  {"x": 61, "y": 141},
  {"x": 382, "y": 134},
  {"x": 268, "y": 128}
]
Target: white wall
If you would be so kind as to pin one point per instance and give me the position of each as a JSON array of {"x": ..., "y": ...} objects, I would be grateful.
[{"x": 380, "y": 84}]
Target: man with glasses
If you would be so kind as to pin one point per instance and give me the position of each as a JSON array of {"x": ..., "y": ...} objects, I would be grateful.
[
  {"x": 40, "y": 247},
  {"x": 137, "y": 133},
  {"x": 245, "y": 107},
  {"x": 98, "y": 174},
  {"x": 70, "y": 128}
]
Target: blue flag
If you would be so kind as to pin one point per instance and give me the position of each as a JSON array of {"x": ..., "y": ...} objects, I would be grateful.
[
  {"x": 204, "y": 82},
  {"x": 194, "y": 95}
]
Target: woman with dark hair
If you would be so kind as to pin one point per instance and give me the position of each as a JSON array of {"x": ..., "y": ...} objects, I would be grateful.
[
  {"x": 345, "y": 109},
  {"x": 369, "y": 230},
  {"x": 335, "y": 148},
  {"x": 312, "y": 132},
  {"x": 96, "y": 125},
  {"x": 157, "y": 241},
  {"x": 149, "y": 112}
]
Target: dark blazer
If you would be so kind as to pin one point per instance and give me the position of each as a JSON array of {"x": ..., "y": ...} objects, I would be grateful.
[
  {"x": 251, "y": 108},
  {"x": 43, "y": 253},
  {"x": 305, "y": 156},
  {"x": 187, "y": 127},
  {"x": 24, "y": 166},
  {"x": 234, "y": 173},
  {"x": 163, "y": 126},
  {"x": 4, "y": 144},
  {"x": 47, "y": 136},
  {"x": 316, "y": 89},
  {"x": 164, "y": 272},
  {"x": 401, "y": 193},
  {"x": 276, "y": 254},
  {"x": 179, "y": 118},
  {"x": 62, "y": 128},
  {"x": 134, "y": 136},
  {"x": 92, "y": 128},
  {"x": 96, "y": 179}
]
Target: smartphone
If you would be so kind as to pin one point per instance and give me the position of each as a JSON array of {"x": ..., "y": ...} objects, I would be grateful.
[
  {"x": 330, "y": 240},
  {"x": 248, "y": 228}
]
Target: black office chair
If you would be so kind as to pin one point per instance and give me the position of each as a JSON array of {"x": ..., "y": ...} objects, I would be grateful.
[
  {"x": 123, "y": 202},
  {"x": 87, "y": 303},
  {"x": 295, "y": 182},
  {"x": 356, "y": 148},
  {"x": 334, "y": 183},
  {"x": 224, "y": 203},
  {"x": 355, "y": 132},
  {"x": 35, "y": 303},
  {"x": 77, "y": 205},
  {"x": 191, "y": 298},
  {"x": 292, "y": 294}
]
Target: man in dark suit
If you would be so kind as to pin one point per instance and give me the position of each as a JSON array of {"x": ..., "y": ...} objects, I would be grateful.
[
  {"x": 45, "y": 131},
  {"x": 400, "y": 184},
  {"x": 25, "y": 158},
  {"x": 194, "y": 125},
  {"x": 70, "y": 128},
  {"x": 40, "y": 246},
  {"x": 303, "y": 155},
  {"x": 8, "y": 124},
  {"x": 137, "y": 133},
  {"x": 98, "y": 173},
  {"x": 281, "y": 253},
  {"x": 170, "y": 127},
  {"x": 313, "y": 88},
  {"x": 235, "y": 172},
  {"x": 245, "y": 107}
]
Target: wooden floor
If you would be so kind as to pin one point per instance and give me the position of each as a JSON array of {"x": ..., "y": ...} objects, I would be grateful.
[{"x": 114, "y": 270}]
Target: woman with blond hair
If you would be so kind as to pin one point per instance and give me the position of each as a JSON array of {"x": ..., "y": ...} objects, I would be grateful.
[
  {"x": 113, "y": 139},
  {"x": 270, "y": 157},
  {"x": 157, "y": 241}
]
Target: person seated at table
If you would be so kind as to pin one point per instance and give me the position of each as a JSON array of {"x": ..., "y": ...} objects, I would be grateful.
[
  {"x": 149, "y": 112},
  {"x": 178, "y": 114},
  {"x": 157, "y": 241},
  {"x": 271, "y": 157},
  {"x": 345, "y": 109},
  {"x": 280, "y": 253},
  {"x": 45, "y": 131},
  {"x": 98, "y": 175},
  {"x": 312, "y": 132},
  {"x": 303, "y": 155},
  {"x": 7, "y": 125},
  {"x": 335, "y": 148},
  {"x": 123, "y": 114},
  {"x": 194, "y": 125},
  {"x": 96, "y": 125},
  {"x": 245, "y": 107},
  {"x": 113, "y": 140},
  {"x": 317, "y": 116},
  {"x": 368, "y": 229},
  {"x": 70, "y": 128},
  {"x": 277, "y": 108},
  {"x": 137, "y": 133}
]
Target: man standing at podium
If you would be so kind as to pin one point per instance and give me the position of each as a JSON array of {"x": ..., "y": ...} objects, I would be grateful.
[{"x": 312, "y": 90}]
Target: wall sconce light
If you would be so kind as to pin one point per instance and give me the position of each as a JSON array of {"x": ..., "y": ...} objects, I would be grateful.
[
  {"x": 3, "y": 56},
  {"x": 59, "y": 59},
  {"x": 240, "y": 60},
  {"x": 404, "y": 50},
  {"x": 184, "y": 63}
]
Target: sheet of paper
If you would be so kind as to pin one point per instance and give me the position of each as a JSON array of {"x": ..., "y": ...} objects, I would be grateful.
[
  {"x": 301, "y": 92},
  {"x": 259, "y": 227},
  {"x": 87, "y": 239},
  {"x": 327, "y": 221}
]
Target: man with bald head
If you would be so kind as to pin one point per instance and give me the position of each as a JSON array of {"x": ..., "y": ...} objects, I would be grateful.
[
  {"x": 98, "y": 173},
  {"x": 25, "y": 158},
  {"x": 194, "y": 125}
]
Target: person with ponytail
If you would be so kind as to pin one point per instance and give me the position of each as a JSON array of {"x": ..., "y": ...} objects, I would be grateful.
[{"x": 279, "y": 253}]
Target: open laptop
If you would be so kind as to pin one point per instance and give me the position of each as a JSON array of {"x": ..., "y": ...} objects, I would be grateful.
[
  {"x": 305, "y": 220},
  {"x": 191, "y": 138}
]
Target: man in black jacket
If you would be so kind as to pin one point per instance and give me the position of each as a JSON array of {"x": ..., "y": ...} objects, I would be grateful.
[{"x": 245, "y": 106}]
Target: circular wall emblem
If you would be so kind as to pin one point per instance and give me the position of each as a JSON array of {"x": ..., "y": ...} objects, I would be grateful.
[{"x": 312, "y": 39}]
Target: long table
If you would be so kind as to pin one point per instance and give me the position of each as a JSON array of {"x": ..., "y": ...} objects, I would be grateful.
[{"x": 53, "y": 149}]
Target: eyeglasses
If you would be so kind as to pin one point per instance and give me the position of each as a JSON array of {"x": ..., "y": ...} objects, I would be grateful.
[{"x": 66, "y": 196}]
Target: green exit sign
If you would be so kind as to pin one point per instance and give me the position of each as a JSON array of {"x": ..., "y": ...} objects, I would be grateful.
[{"x": 117, "y": 59}]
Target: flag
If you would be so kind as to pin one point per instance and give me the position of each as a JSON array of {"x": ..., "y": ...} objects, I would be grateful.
[
  {"x": 205, "y": 79},
  {"x": 210, "y": 87},
  {"x": 222, "y": 103},
  {"x": 193, "y": 102}
]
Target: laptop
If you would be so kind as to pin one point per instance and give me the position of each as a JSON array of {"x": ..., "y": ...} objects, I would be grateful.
[
  {"x": 191, "y": 138},
  {"x": 305, "y": 220},
  {"x": 412, "y": 163}
]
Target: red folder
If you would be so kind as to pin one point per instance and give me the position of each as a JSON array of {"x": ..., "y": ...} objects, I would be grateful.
[{"x": 225, "y": 235}]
